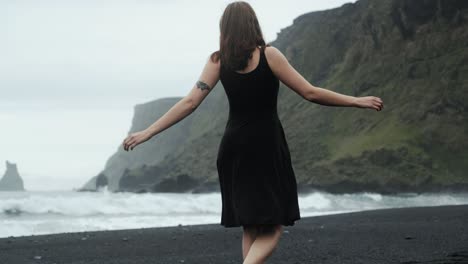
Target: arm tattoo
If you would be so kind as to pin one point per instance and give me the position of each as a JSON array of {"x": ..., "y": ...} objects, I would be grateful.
[{"x": 203, "y": 85}]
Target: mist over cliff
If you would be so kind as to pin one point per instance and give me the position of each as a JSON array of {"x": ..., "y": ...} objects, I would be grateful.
[{"x": 412, "y": 54}]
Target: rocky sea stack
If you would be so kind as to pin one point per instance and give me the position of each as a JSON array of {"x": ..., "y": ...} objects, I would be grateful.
[{"x": 11, "y": 180}]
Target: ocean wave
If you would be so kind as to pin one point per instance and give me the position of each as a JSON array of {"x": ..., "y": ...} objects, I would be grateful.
[
  {"x": 26, "y": 213},
  {"x": 96, "y": 204}
]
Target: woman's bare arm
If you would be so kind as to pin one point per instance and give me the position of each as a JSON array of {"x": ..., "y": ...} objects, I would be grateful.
[
  {"x": 207, "y": 81},
  {"x": 294, "y": 80}
]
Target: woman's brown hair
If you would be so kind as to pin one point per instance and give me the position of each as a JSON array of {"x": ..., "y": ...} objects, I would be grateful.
[{"x": 240, "y": 34}]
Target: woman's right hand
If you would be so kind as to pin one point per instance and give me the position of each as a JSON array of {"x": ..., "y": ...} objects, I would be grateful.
[
  {"x": 135, "y": 139},
  {"x": 372, "y": 102}
]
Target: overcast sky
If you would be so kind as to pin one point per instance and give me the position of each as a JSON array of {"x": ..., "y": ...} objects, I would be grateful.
[{"x": 72, "y": 71}]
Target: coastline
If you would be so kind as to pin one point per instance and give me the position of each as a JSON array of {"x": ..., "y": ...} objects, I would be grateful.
[{"x": 436, "y": 234}]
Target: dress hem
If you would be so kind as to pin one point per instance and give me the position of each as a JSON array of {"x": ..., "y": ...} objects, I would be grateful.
[{"x": 291, "y": 223}]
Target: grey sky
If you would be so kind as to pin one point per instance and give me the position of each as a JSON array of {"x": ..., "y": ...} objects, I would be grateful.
[{"x": 71, "y": 72}]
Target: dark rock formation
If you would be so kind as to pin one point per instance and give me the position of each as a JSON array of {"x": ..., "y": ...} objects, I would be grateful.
[
  {"x": 140, "y": 180},
  {"x": 182, "y": 183},
  {"x": 95, "y": 183},
  {"x": 101, "y": 180},
  {"x": 11, "y": 180}
]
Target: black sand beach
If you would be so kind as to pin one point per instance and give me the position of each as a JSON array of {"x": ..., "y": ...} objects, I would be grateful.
[{"x": 406, "y": 235}]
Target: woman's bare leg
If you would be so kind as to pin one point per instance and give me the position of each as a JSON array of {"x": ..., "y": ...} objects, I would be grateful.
[
  {"x": 264, "y": 244},
  {"x": 248, "y": 237}
]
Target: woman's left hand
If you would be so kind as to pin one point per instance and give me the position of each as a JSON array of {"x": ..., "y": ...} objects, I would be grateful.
[{"x": 135, "y": 139}]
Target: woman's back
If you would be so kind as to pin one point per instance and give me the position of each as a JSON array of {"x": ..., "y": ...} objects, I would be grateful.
[
  {"x": 258, "y": 184},
  {"x": 252, "y": 94}
]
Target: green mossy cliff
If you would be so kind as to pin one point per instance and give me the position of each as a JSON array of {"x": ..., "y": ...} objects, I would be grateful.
[{"x": 412, "y": 54}]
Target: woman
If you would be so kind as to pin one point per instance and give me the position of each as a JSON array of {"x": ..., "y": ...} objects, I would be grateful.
[{"x": 258, "y": 186}]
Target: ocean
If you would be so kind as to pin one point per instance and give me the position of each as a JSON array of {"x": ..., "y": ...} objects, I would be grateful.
[{"x": 49, "y": 212}]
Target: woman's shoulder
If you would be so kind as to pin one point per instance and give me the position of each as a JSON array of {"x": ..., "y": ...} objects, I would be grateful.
[
  {"x": 214, "y": 60},
  {"x": 271, "y": 52},
  {"x": 274, "y": 56},
  {"x": 215, "y": 57}
]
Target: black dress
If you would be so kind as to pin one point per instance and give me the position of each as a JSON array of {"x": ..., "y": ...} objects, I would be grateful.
[{"x": 258, "y": 184}]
